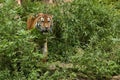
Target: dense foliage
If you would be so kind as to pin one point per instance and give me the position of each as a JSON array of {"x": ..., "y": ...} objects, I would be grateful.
[{"x": 85, "y": 43}]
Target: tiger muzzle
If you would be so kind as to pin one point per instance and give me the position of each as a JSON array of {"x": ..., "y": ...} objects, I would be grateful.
[{"x": 46, "y": 29}]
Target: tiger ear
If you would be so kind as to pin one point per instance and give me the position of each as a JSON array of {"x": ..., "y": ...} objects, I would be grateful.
[
  {"x": 51, "y": 16},
  {"x": 37, "y": 15}
]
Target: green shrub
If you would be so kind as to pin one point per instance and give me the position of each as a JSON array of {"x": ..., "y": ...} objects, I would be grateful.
[{"x": 85, "y": 34}]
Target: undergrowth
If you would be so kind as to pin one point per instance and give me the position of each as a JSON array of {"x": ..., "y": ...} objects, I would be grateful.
[{"x": 86, "y": 35}]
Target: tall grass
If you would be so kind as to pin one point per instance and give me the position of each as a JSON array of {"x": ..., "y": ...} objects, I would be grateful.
[{"x": 85, "y": 34}]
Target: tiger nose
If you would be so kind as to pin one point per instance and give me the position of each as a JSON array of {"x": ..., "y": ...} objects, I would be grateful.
[{"x": 46, "y": 27}]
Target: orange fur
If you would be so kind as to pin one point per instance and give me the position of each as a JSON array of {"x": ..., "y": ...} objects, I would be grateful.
[
  {"x": 43, "y": 22},
  {"x": 31, "y": 22}
]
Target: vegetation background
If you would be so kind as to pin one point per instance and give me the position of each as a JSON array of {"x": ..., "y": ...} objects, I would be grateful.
[{"x": 85, "y": 43}]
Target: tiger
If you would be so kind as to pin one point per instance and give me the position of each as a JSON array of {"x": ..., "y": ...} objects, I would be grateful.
[
  {"x": 43, "y": 23},
  {"x": 19, "y": 2}
]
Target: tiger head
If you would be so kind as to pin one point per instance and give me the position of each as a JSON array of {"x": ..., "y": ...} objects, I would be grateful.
[{"x": 44, "y": 22}]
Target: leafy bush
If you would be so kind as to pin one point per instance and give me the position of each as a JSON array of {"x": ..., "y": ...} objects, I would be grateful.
[{"x": 86, "y": 35}]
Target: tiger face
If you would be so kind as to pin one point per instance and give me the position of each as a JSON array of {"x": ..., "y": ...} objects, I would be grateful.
[{"x": 42, "y": 22}]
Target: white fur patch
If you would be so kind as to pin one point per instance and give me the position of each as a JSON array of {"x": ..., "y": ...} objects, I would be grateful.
[
  {"x": 42, "y": 19},
  {"x": 48, "y": 19}
]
